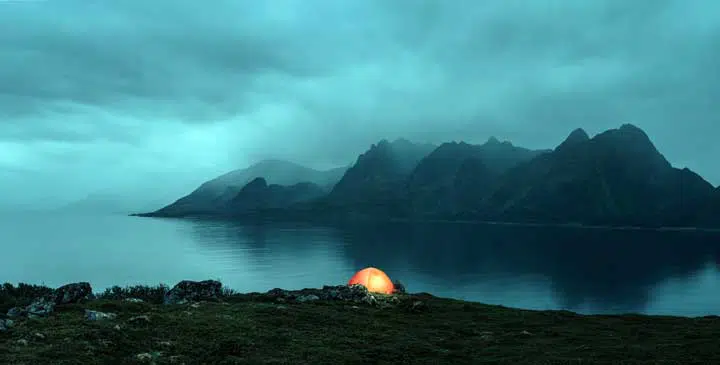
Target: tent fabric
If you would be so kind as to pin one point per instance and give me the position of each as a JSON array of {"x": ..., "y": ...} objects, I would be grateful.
[{"x": 375, "y": 280}]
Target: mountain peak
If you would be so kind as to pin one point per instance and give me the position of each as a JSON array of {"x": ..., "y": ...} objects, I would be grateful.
[
  {"x": 576, "y": 136},
  {"x": 630, "y": 128},
  {"x": 256, "y": 183},
  {"x": 492, "y": 140}
]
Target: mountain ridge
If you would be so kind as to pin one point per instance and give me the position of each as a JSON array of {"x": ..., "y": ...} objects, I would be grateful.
[{"x": 614, "y": 178}]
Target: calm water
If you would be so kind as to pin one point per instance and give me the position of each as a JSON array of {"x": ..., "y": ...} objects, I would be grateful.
[{"x": 589, "y": 271}]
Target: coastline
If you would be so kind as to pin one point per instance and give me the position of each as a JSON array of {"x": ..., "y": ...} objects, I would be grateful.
[
  {"x": 134, "y": 325},
  {"x": 259, "y": 218}
]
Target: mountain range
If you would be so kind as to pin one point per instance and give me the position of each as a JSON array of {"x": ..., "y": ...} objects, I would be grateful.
[
  {"x": 250, "y": 187},
  {"x": 615, "y": 178}
]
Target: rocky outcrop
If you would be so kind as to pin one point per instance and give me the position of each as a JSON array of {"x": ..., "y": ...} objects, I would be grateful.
[
  {"x": 348, "y": 293},
  {"x": 73, "y": 293},
  {"x": 193, "y": 291},
  {"x": 43, "y": 306}
]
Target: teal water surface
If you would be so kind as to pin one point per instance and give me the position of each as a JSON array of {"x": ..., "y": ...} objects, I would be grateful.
[{"x": 584, "y": 270}]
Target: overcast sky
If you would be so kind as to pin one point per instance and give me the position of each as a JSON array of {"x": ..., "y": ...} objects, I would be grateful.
[{"x": 130, "y": 95}]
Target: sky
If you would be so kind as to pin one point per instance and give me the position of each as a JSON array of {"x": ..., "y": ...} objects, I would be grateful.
[{"x": 148, "y": 99}]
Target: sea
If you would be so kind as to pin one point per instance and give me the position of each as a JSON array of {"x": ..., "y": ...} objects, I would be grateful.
[{"x": 585, "y": 270}]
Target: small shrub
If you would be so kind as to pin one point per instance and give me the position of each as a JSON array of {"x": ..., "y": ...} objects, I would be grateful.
[
  {"x": 150, "y": 294},
  {"x": 21, "y": 295}
]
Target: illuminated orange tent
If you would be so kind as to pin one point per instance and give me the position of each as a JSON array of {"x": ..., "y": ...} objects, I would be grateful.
[{"x": 375, "y": 280}]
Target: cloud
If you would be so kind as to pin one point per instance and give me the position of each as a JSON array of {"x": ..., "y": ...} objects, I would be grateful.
[{"x": 96, "y": 95}]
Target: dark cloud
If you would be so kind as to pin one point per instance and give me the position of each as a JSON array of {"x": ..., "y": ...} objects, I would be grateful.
[{"x": 113, "y": 93}]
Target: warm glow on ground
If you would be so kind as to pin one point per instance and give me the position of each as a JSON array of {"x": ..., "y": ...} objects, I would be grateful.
[{"x": 375, "y": 280}]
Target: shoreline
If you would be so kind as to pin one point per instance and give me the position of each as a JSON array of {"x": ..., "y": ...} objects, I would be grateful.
[
  {"x": 231, "y": 292},
  {"x": 255, "y": 219},
  {"x": 342, "y": 325}
]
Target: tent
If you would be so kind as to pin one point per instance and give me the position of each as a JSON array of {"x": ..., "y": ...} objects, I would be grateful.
[{"x": 375, "y": 280}]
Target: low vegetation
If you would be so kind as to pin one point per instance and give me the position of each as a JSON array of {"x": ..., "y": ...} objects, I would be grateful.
[{"x": 416, "y": 329}]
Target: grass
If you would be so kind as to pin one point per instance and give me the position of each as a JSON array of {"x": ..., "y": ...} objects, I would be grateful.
[{"x": 250, "y": 329}]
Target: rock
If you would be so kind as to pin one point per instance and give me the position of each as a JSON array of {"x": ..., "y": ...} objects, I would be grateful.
[
  {"x": 139, "y": 319},
  {"x": 144, "y": 357},
  {"x": 39, "y": 336},
  {"x": 41, "y": 307},
  {"x": 187, "y": 290},
  {"x": 348, "y": 293},
  {"x": 92, "y": 315},
  {"x": 354, "y": 293},
  {"x": 16, "y": 312},
  {"x": 117, "y": 327},
  {"x": 73, "y": 293},
  {"x": 134, "y": 300},
  {"x": 370, "y": 300},
  {"x": 307, "y": 298},
  {"x": 399, "y": 287},
  {"x": 5, "y": 324},
  {"x": 525, "y": 333},
  {"x": 22, "y": 342}
]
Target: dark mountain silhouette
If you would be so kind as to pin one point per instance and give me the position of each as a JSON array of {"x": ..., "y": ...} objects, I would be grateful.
[
  {"x": 616, "y": 178},
  {"x": 457, "y": 175},
  {"x": 380, "y": 170},
  {"x": 213, "y": 196},
  {"x": 259, "y": 195},
  {"x": 374, "y": 185}
]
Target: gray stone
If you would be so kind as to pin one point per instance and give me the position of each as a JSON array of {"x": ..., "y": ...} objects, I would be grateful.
[
  {"x": 41, "y": 307},
  {"x": 16, "y": 312},
  {"x": 139, "y": 319},
  {"x": 193, "y": 291},
  {"x": 92, "y": 315},
  {"x": 308, "y": 298},
  {"x": 5, "y": 324}
]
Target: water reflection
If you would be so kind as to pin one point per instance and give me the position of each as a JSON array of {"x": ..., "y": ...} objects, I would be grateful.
[
  {"x": 260, "y": 257},
  {"x": 578, "y": 269}
]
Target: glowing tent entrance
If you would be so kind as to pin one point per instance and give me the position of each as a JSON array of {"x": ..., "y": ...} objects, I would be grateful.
[{"x": 375, "y": 280}]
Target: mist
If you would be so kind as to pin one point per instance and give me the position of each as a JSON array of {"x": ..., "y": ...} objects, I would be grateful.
[{"x": 146, "y": 100}]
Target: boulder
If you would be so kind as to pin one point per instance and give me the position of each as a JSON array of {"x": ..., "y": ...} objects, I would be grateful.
[
  {"x": 5, "y": 324},
  {"x": 193, "y": 291},
  {"x": 16, "y": 312},
  {"x": 41, "y": 307},
  {"x": 92, "y": 315},
  {"x": 73, "y": 293}
]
